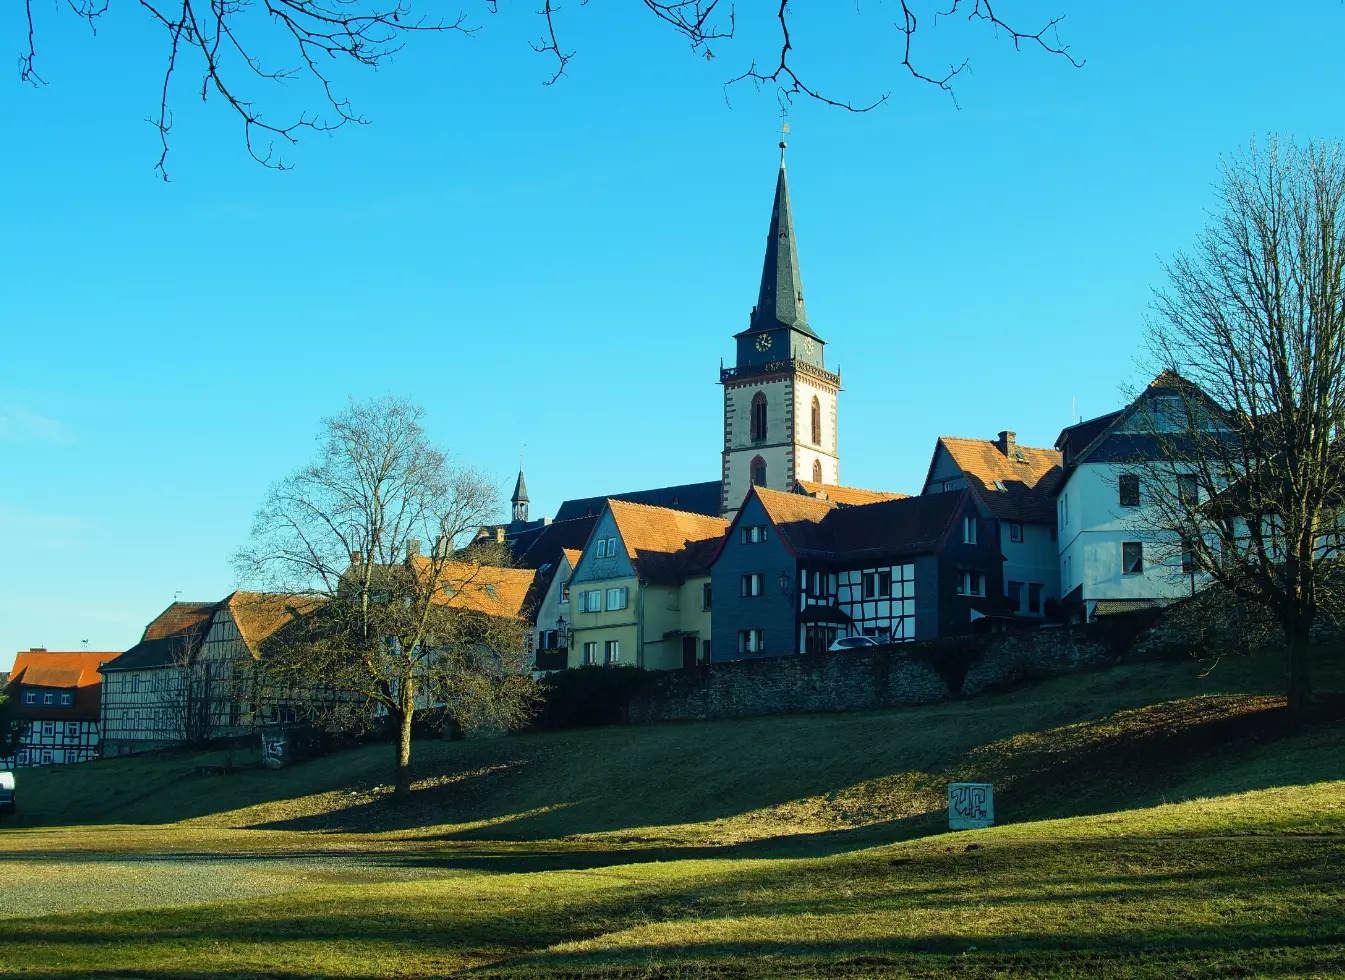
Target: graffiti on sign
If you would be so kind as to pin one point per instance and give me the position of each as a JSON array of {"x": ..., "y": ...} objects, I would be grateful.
[{"x": 970, "y": 806}]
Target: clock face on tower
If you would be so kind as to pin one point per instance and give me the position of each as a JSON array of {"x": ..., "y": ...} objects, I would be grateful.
[
  {"x": 808, "y": 346},
  {"x": 764, "y": 342}
]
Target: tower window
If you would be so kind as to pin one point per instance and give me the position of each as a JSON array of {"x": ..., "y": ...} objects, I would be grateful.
[
  {"x": 758, "y": 416},
  {"x": 817, "y": 423},
  {"x": 817, "y": 471},
  {"x": 758, "y": 472}
]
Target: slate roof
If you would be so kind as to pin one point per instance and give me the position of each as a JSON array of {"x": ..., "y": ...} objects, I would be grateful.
[
  {"x": 846, "y": 496},
  {"x": 780, "y": 298},
  {"x": 74, "y": 671},
  {"x": 1028, "y": 475},
  {"x": 694, "y": 498},
  {"x": 520, "y": 490},
  {"x": 543, "y": 546},
  {"x": 666, "y": 547},
  {"x": 899, "y": 528},
  {"x": 167, "y": 637}
]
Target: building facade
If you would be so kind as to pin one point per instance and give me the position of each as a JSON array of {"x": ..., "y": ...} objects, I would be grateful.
[
  {"x": 640, "y": 591},
  {"x": 56, "y": 699},
  {"x": 795, "y": 573},
  {"x": 780, "y": 401},
  {"x": 1015, "y": 486},
  {"x": 1112, "y": 560}
]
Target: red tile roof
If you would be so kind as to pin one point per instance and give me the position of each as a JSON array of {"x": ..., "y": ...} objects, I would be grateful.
[
  {"x": 849, "y": 496},
  {"x": 1014, "y": 486},
  {"x": 259, "y": 614},
  {"x": 666, "y": 547},
  {"x": 483, "y": 588},
  {"x": 75, "y": 671}
]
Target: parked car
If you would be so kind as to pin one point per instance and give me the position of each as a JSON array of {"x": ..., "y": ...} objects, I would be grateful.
[
  {"x": 854, "y": 643},
  {"x": 6, "y": 792}
]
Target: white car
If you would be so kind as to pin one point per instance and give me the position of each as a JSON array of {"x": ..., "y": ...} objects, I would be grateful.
[{"x": 853, "y": 643}]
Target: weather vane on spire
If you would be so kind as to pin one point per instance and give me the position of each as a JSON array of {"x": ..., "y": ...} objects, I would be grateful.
[{"x": 784, "y": 131}]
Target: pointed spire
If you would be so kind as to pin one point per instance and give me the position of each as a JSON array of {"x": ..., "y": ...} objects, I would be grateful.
[
  {"x": 520, "y": 498},
  {"x": 780, "y": 300}
]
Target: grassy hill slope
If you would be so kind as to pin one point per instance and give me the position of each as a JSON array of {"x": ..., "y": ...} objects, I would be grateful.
[{"x": 1157, "y": 823}]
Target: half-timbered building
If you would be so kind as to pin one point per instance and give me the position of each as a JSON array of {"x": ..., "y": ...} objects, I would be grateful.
[
  {"x": 795, "y": 573},
  {"x": 56, "y": 697}
]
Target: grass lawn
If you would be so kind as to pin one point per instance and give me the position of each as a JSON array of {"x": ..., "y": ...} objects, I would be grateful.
[{"x": 804, "y": 845}]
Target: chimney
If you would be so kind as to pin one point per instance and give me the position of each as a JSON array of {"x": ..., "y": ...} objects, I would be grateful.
[
  {"x": 499, "y": 535},
  {"x": 1008, "y": 442},
  {"x": 356, "y": 557},
  {"x": 412, "y": 548}
]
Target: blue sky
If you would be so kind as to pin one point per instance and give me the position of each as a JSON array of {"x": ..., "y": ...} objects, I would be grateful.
[{"x": 564, "y": 266}]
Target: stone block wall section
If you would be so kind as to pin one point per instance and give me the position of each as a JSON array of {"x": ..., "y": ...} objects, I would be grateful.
[{"x": 859, "y": 680}]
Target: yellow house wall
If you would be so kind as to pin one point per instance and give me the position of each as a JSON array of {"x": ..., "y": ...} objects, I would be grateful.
[{"x": 599, "y": 627}]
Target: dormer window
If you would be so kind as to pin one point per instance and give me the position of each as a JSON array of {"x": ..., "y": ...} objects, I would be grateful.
[{"x": 67, "y": 699}]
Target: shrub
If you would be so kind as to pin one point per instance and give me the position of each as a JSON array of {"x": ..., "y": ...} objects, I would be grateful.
[{"x": 588, "y": 696}]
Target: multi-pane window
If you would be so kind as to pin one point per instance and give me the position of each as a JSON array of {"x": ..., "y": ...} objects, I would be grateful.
[
  {"x": 1014, "y": 591},
  {"x": 751, "y": 641},
  {"x": 1128, "y": 489},
  {"x": 970, "y": 583},
  {"x": 751, "y": 584},
  {"x": 1132, "y": 558},
  {"x": 758, "y": 416},
  {"x": 564, "y": 591},
  {"x": 590, "y": 600},
  {"x": 705, "y": 595},
  {"x": 1015, "y": 532},
  {"x": 606, "y": 548},
  {"x": 548, "y": 639},
  {"x": 968, "y": 530},
  {"x": 48, "y": 698},
  {"x": 611, "y": 651},
  {"x": 1034, "y": 591},
  {"x": 1188, "y": 490},
  {"x": 29, "y": 698},
  {"x": 754, "y": 534},
  {"x": 67, "y": 699},
  {"x": 884, "y": 584},
  {"x": 616, "y": 598},
  {"x": 590, "y": 653},
  {"x": 877, "y": 585}
]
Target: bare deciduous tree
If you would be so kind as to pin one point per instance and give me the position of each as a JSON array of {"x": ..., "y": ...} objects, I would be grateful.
[
  {"x": 1249, "y": 481},
  {"x": 187, "y": 696},
  {"x": 407, "y": 631},
  {"x": 224, "y": 46}
]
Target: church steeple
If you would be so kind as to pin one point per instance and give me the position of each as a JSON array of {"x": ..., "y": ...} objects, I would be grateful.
[
  {"x": 520, "y": 498},
  {"x": 780, "y": 299}
]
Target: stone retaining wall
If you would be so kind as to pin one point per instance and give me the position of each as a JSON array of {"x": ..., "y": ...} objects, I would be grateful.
[{"x": 856, "y": 680}]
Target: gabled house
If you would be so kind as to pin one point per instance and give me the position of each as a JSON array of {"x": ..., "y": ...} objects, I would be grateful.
[
  {"x": 1014, "y": 484},
  {"x": 56, "y": 702},
  {"x": 640, "y": 591},
  {"x": 1112, "y": 559},
  {"x": 795, "y": 573},
  {"x": 553, "y": 618}
]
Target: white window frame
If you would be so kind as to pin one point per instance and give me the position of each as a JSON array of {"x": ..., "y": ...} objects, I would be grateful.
[
  {"x": 752, "y": 585},
  {"x": 589, "y": 652},
  {"x": 1015, "y": 532},
  {"x": 600, "y": 549},
  {"x": 30, "y": 697},
  {"x": 968, "y": 529},
  {"x": 48, "y": 698},
  {"x": 752, "y": 640},
  {"x": 590, "y": 601},
  {"x": 67, "y": 699},
  {"x": 971, "y": 583},
  {"x": 611, "y": 652},
  {"x": 618, "y": 598},
  {"x": 564, "y": 592}
]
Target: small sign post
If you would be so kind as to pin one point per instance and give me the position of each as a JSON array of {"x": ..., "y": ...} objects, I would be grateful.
[{"x": 971, "y": 806}]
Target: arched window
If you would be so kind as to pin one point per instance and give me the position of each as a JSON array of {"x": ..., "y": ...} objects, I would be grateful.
[
  {"x": 758, "y": 472},
  {"x": 817, "y": 422},
  {"x": 817, "y": 471},
  {"x": 759, "y": 416}
]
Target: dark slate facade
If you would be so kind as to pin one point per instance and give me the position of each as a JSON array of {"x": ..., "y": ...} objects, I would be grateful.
[
  {"x": 897, "y": 571},
  {"x": 694, "y": 498}
]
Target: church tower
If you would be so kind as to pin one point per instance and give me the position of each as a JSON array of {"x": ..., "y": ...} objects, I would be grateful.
[{"x": 779, "y": 398}]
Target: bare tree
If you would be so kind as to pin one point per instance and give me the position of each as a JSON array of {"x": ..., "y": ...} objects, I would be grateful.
[
  {"x": 11, "y": 729},
  {"x": 1247, "y": 481},
  {"x": 405, "y": 631},
  {"x": 218, "y": 45},
  {"x": 186, "y": 697}
]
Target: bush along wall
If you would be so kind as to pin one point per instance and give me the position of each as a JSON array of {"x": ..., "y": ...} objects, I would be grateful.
[{"x": 590, "y": 695}]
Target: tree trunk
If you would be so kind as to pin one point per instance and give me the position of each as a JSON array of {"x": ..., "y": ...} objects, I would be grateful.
[
  {"x": 403, "y": 784},
  {"x": 1300, "y": 684}
]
